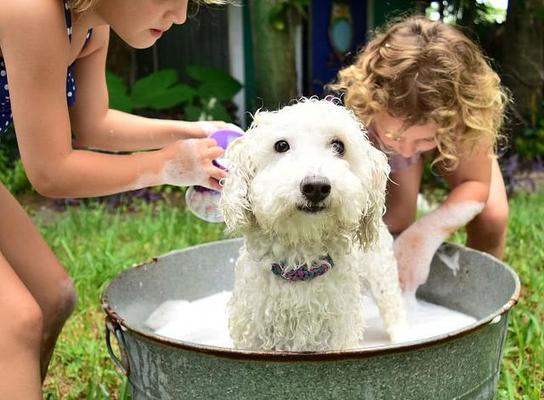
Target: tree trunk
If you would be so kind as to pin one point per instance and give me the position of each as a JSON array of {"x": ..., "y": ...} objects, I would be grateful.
[
  {"x": 523, "y": 57},
  {"x": 274, "y": 54}
]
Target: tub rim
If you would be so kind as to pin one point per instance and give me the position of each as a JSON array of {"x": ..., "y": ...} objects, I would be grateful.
[{"x": 286, "y": 356}]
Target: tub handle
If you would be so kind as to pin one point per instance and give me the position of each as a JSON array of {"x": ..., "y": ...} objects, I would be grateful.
[{"x": 113, "y": 326}]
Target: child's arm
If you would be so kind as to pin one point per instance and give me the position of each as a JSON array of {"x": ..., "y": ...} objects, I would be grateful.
[
  {"x": 97, "y": 126},
  {"x": 36, "y": 52},
  {"x": 415, "y": 247}
]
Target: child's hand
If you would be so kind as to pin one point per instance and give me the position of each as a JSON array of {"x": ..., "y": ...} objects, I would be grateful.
[
  {"x": 414, "y": 255},
  {"x": 189, "y": 162}
]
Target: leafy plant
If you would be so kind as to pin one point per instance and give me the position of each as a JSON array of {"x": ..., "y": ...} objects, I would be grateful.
[
  {"x": 214, "y": 90},
  {"x": 466, "y": 13},
  {"x": 161, "y": 90},
  {"x": 529, "y": 142},
  {"x": 12, "y": 174}
]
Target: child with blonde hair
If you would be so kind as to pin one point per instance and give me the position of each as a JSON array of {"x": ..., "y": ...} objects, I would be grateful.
[
  {"x": 52, "y": 84},
  {"x": 422, "y": 87}
]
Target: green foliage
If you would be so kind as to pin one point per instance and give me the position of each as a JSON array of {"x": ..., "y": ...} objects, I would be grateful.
[
  {"x": 15, "y": 179},
  {"x": 529, "y": 142},
  {"x": 465, "y": 12},
  {"x": 214, "y": 89},
  {"x": 158, "y": 91},
  {"x": 117, "y": 91},
  {"x": 12, "y": 174},
  {"x": 161, "y": 90}
]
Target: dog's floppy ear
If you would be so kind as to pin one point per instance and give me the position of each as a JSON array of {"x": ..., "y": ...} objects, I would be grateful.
[
  {"x": 235, "y": 204},
  {"x": 370, "y": 221}
]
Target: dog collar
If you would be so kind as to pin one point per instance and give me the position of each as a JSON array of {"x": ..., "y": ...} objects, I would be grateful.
[{"x": 303, "y": 273}]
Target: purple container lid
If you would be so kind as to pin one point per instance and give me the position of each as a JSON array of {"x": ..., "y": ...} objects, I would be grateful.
[
  {"x": 209, "y": 197},
  {"x": 224, "y": 137}
]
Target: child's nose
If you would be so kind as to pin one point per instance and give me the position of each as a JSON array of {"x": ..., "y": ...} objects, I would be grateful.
[
  {"x": 179, "y": 11},
  {"x": 407, "y": 148}
]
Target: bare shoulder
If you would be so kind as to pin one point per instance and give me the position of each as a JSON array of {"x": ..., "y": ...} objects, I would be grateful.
[
  {"x": 473, "y": 165},
  {"x": 22, "y": 14},
  {"x": 33, "y": 29}
]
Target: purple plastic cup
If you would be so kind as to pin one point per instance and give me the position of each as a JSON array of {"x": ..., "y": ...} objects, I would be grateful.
[{"x": 204, "y": 202}]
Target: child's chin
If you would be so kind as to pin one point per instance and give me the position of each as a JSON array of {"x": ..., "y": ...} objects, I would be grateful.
[
  {"x": 141, "y": 42},
  {"x": 140, "y": 45}
]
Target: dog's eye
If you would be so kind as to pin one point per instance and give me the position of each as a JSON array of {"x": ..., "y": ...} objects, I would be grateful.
[
  {"x": 338, "y": 147},
  {"x": 281, "y": 146}
]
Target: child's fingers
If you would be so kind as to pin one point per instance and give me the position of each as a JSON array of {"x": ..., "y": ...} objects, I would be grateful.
[
  {"x": 214, "y": 184},
  {"x": 218, "y": 173},
  {"x": 209, "y": 142},
  {"x": 215, "y": 152}
]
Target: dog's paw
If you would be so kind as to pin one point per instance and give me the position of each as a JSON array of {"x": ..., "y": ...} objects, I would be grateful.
[{"x": 398, "y": 332}]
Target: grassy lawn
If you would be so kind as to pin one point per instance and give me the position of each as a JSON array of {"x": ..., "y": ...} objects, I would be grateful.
[{"x": 95, "y": 245}]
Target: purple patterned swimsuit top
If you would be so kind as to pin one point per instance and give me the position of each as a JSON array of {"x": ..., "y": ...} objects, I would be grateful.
[
  {"x": 303, "y": 272},
  {"x": 396, "y": 161}
]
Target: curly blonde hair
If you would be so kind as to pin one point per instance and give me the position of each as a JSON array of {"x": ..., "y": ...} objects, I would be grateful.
[
  {"x": 83, "y": 5},
  {"x": 424, "y": 71}
]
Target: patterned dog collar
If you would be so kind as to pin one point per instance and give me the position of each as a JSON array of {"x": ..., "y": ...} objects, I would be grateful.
[{"x": 303, "y": 273}]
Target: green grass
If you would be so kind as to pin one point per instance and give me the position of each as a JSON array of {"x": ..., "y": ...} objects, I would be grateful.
[
  {"x": 522, "y": 375},
  {"x": 95, "y": 245}
]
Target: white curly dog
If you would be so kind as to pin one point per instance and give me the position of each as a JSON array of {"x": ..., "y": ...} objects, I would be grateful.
[{"x": 307, "y": 189}]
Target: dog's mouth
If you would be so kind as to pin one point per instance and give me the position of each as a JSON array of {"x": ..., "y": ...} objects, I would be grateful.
[{"x": 311, "y": 208}]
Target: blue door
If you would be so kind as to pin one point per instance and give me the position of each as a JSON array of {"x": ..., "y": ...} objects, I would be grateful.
[{"x": 337, "y": 28}]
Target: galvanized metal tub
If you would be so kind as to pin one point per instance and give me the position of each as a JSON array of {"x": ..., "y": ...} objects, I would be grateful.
[{"x": 461, "y": 365}]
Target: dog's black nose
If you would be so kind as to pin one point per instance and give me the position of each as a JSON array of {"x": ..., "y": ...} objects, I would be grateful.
[{"x": 315, "y": 188}]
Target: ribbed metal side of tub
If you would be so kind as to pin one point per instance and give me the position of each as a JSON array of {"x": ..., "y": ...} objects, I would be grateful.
[{"x": 467, "y": 368}]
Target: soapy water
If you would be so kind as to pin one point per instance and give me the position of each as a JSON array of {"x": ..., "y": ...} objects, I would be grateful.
[
  {"x": 204, "y": 202},
  {"x": 205, "y": 321}
]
